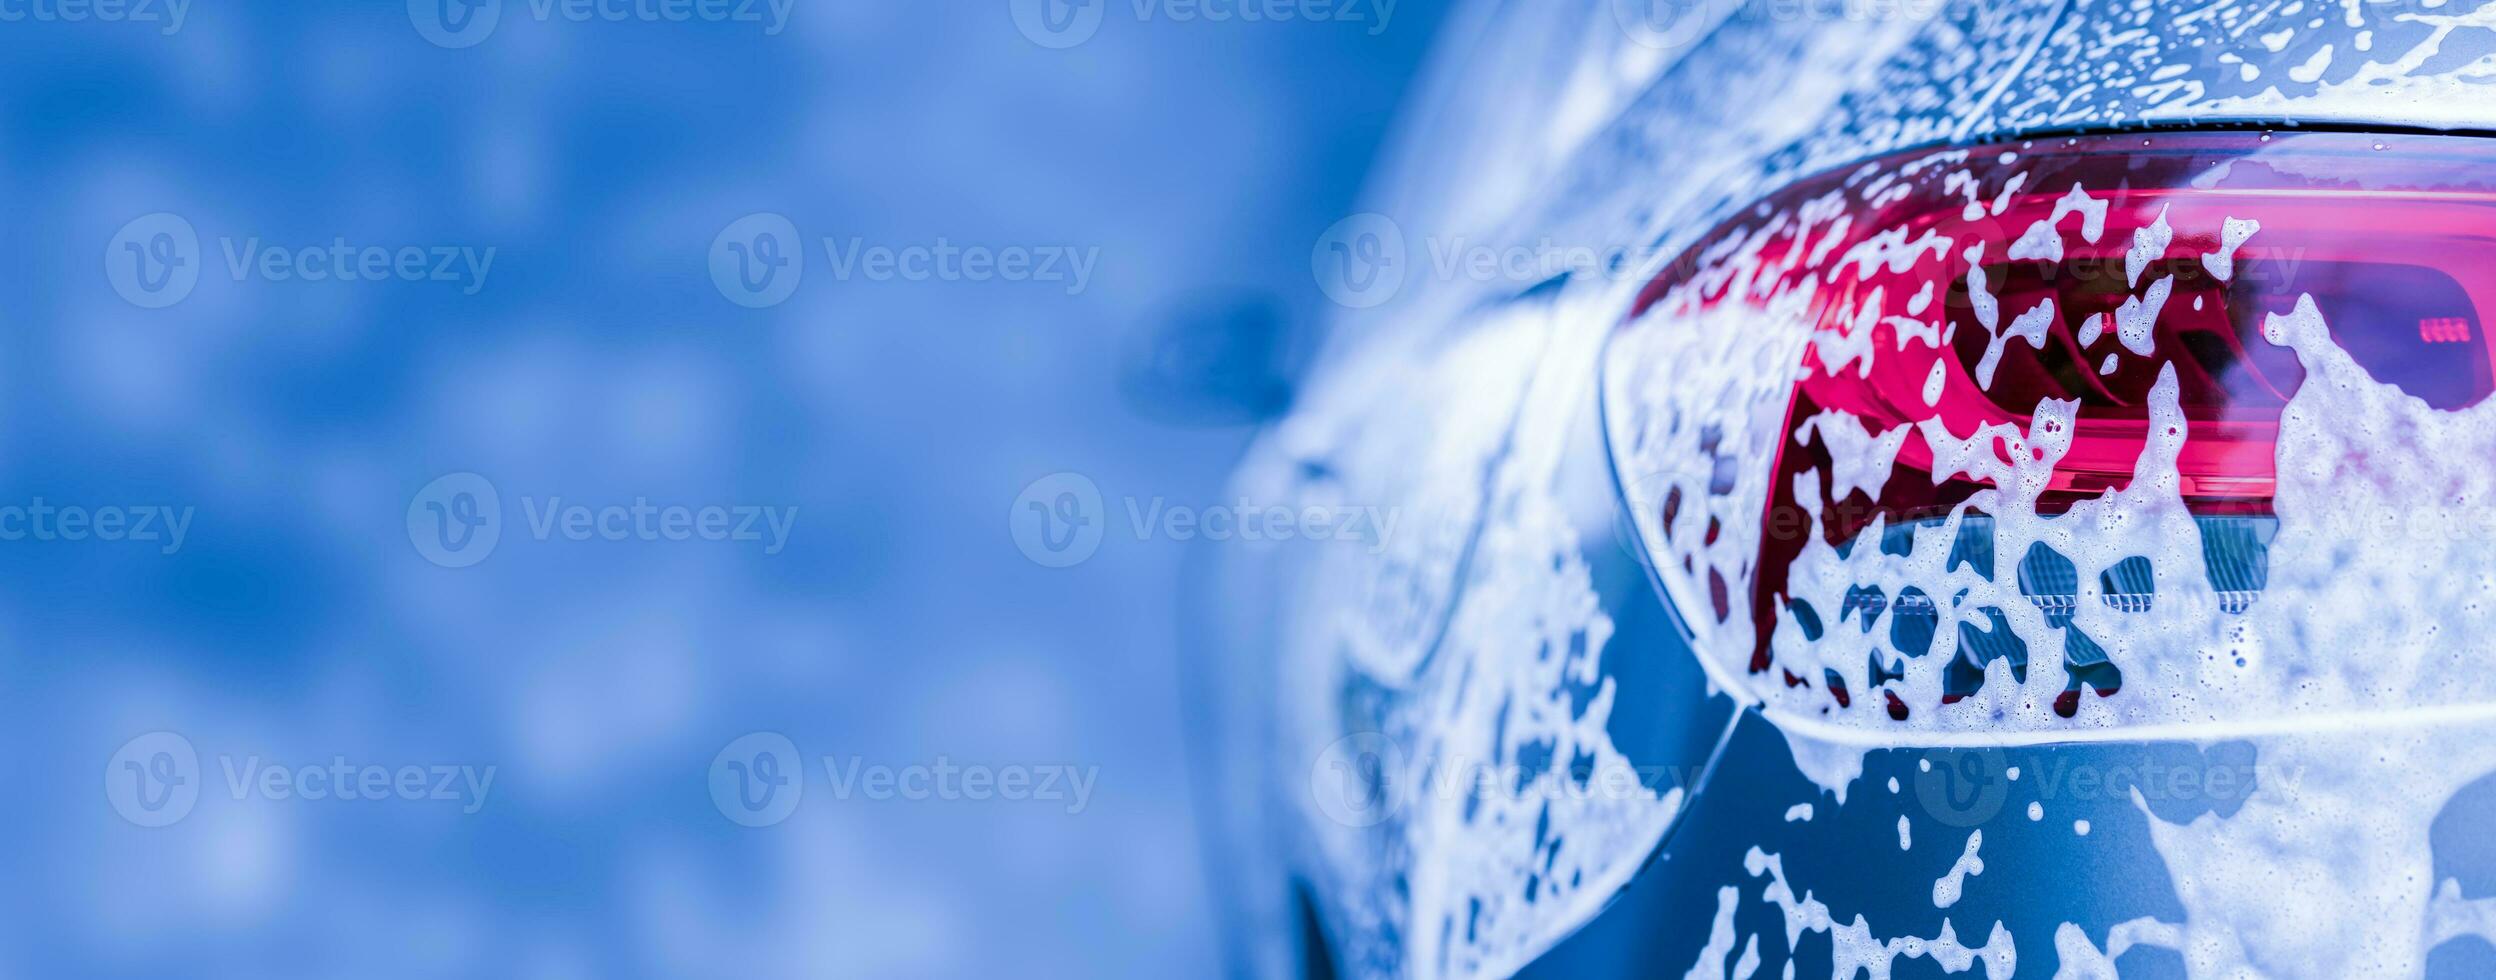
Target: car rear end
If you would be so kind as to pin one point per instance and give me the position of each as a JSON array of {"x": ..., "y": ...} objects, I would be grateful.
[{"x": 1997, "y": 489}]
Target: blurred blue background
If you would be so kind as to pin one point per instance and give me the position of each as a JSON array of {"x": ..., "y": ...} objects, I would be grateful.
[{"x": 297, "y": 427}]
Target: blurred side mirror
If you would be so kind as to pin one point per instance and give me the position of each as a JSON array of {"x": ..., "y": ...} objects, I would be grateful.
[{"x": 1217, "y": 358}]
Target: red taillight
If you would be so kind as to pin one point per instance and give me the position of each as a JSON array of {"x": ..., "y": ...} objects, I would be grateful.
[{"x": 1943, "y": 324}]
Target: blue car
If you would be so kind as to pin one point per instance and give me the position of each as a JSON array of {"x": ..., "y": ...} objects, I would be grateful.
[{"x": 1887, "y": 489}]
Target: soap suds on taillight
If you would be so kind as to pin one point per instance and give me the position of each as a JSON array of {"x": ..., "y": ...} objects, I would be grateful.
[{"x": 1907, "y": 366}]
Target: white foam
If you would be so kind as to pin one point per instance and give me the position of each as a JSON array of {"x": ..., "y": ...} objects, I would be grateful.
[
  {"x": 2148, "y": 245},
  {"x": 2030, "y": 326},
  {"x": 1857, "y": 949},
  {"x": 2221, "y": 262},
  {"x": 2417, "y": 596},
  {"x": 2137, "y": 318},
  {"x": 1720, "y": 939},
  {"x": 2079, "y": 959},
  {"x": 1979, "y": 292},
  {"x": 1947, "y": 888}
]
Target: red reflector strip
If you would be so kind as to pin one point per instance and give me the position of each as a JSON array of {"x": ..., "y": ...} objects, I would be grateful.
[{"x": 2444, "y": 330}]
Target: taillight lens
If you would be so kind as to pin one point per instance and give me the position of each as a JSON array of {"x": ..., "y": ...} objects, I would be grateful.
[{"x": 1960, "y": 414}]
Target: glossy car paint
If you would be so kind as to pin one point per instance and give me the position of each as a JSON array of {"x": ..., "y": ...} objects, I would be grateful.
[{"x": 1510, "y": 625}]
